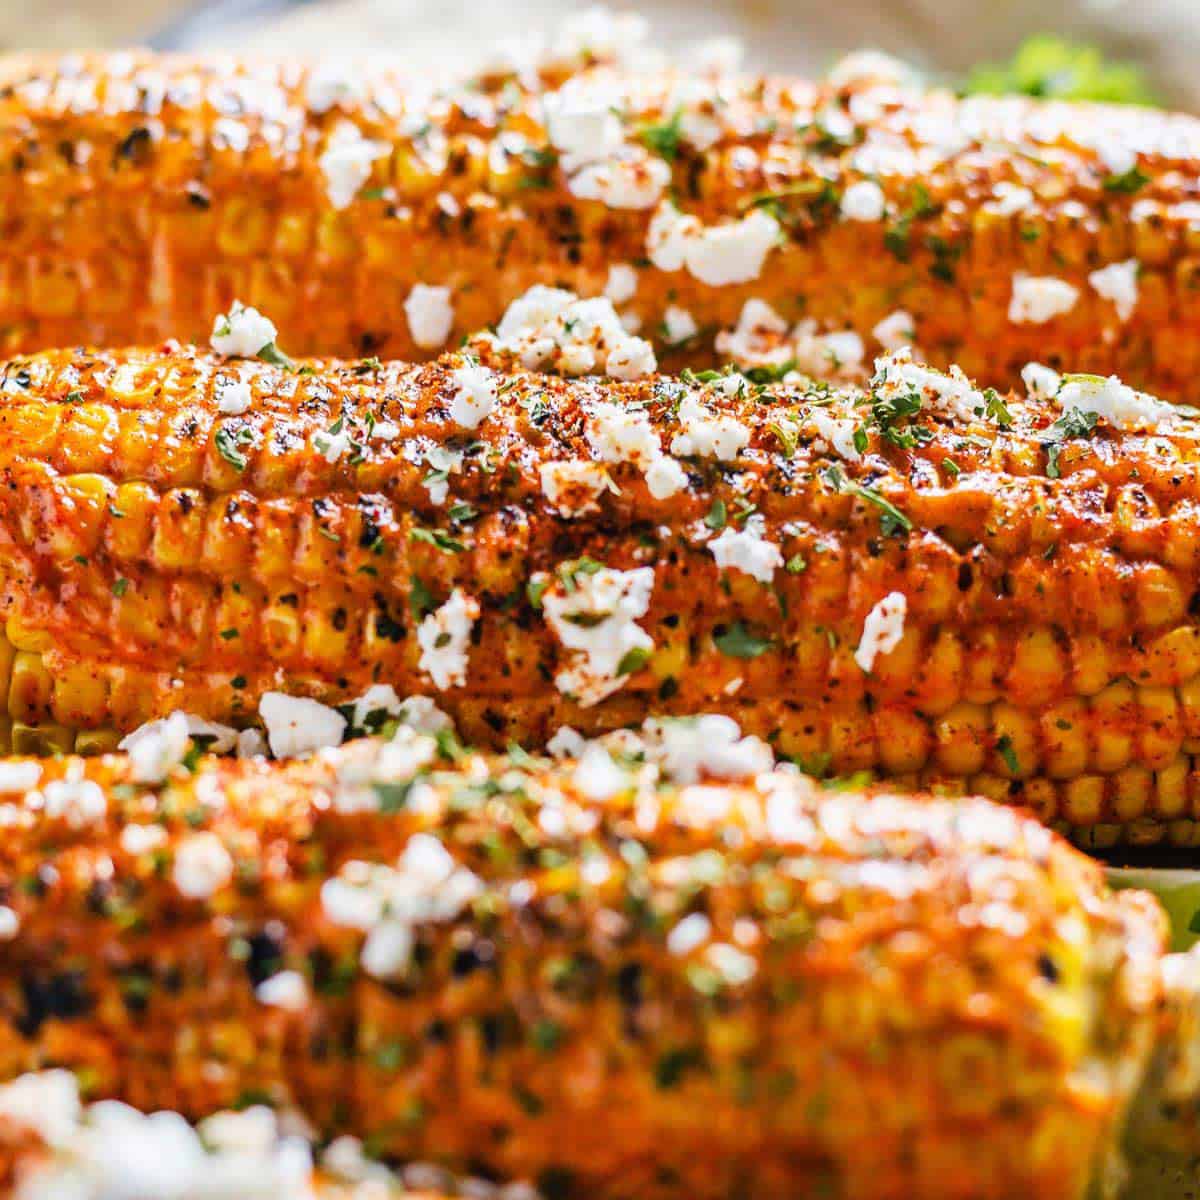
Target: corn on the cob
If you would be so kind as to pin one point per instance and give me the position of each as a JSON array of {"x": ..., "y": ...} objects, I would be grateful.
[
  {"x": 597, "y": 976},
  {"x": 159, "y": 555},
  {"x": 141, "y": 194}
]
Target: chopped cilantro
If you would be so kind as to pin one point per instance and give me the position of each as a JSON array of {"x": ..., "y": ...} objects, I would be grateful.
[
  {"x": 228, "y": 442},
  {"x": 716, "y": 515},
  {"x": 738, "y": 642}
]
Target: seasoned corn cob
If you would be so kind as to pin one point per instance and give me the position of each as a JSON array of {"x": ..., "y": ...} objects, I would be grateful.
[
  {"x": 598, "y": 977},
  {"x": 992, "y": 596},
  {"x": 141, "y": 194}
]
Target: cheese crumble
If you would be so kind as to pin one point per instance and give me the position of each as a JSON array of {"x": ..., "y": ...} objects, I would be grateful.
[
  {"x": 573, "y": 487},
  {"x": 475, "y": 395},
  {"x": 444, "y": 636},
  {"x": 1037, "y": 299},
  {"x": 430, "y": 315},
  {"x": 1118, "y": 283},
  {"x": 882, "y": 630},
  {"x": 202, "y": 866},
  {"x": 347, "y": 162},
  {"x": 707, "y": 435},
  {"x": 717, "y": 255},
  {"x": 296, "y": 725},
  {"x": 596, "y": 623},
  {"x": 242, "y": 332},
  {"x": 747, "y": 550},
  {"x": 864, "y": 201},
  {"x": 551, "y": 328}
]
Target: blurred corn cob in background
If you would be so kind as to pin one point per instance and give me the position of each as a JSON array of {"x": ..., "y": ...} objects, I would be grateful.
[
  {"x": 372, "y": 213},
  {"x": 577, "y": 975},
  {"x": 948, "y": 587}
]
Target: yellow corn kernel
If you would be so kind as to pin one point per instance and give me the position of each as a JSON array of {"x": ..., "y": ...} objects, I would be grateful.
[
  {"x": 31, "y": 688},
  {"x": 41, "y": 740},
  {"x": 963, "y": 739},
  {"x": 1114, "y": 714}
]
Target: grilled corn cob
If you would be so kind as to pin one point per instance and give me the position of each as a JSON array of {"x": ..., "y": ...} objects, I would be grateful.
[
  {"x": 991, "y": 595},
  {"x": 372, "y": 214},
  {"x": 597, "y": 976}
]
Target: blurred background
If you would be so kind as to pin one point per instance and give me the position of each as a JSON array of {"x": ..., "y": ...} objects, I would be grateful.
[{"x": 948, "y": 38}]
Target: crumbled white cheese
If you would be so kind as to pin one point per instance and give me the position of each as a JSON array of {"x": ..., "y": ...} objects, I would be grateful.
[
  {"x": 596, "y": 621},
  {"x": 716, "y": 255},
  {"x": 444, "y": 636},
  {"x": 573, "y": 486},
  {"x": 734, "y": 252},
  {"x": 1118, "y": 282},
  {"x": 552, "y": 328},
  {"x": 430, "y": 315},
  {"x": 46, "y": 1103},
  {"x": 581, "y": 123},
  {"x": 733, "y": 965},
  {"x": 156, "y": 748},
  {"x": 1009, "y": 199},
  {"x": 1041, "y": 382},
  {"x": 10, "y": 923},
  {"x": 699, "y": 129},
  {"x": 707, "y": 435},
  {"x": 949, "y": 394},
  {"x": 622, "y": 283},
  {"x": 635, "y": 180},
  {"x": 19, "y": 776},
  {"x": 665, "y": 477},
  {"x": 758, "y": 337},
  {"x": 566, "y": 743},
  {"x": 285, "y": 989},
  {"x": 331, "y": 83},
  {"x": 475, "y": 395},
  {"x": 234, "y": 398},
  {"x": 688, "y": 749},
  {"x": 422, "y": 715},
  {"x": 597, "y": 776},
  {"x": 882, "y": 630},
  {"x": 251, "y": 744},
  {"x": 79, "y": 802},
  {"x": 679, "y": 325},
  {"x": 835, "y": 432},
  {"x": 242, "y": 332},
  {"x": 389, "y": 902},
  {"x": 296, "y": 725},
  {"x": 1120, "y": 405},
  {"x": 747, "y": 550},
  {"x": 113, "y": 1152},
  {"x": 141, "y": 839},
  {"x": 690, "y": 934},
  {"x": 895, "y": 330},
  {"x": 347, "y": 162},
  {"x": 378, "y": 702},
  {"x": 864, "y": 201},
  {"x": 1037, "y": 299},
  {"x": 442, "y": 464},
  {"x": 202, "y": 866},
  {"x": 669, "y": 236},
  {"x": 330, "y": 445}
]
